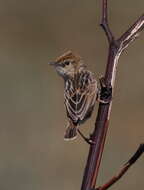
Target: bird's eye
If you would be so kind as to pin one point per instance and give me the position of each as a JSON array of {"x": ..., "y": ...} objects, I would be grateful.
[{"x": 67, "y": 62}]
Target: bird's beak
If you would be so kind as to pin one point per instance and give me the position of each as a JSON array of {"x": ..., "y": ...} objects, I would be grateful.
[{"x": 52, "y": 63}]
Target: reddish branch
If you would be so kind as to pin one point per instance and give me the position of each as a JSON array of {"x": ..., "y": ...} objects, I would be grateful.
[
  {"x": 124, "y": 169},
  {"x": 102, "y": 121}
]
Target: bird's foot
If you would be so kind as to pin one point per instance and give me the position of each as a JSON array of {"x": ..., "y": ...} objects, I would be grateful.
[
  {"x": 86, "y": 139},
  {"x": 105, "y": 92}
]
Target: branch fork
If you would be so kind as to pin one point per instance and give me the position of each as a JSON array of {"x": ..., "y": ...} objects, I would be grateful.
[{"x": 116, "y": 47}]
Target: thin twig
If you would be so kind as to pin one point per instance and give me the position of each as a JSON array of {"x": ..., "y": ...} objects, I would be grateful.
[
  {"x": 102, "y": 120},
  {"x": 132, "y": 33},
  {"x": 104, "y": 22},
  {"x": 124, "y": 169}
]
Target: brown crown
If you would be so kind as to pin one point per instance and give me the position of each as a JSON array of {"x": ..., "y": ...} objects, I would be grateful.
[{"x": 68, "y": 55}]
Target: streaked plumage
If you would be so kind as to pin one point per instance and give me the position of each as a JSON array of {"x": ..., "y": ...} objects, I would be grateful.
[{"x": 80, "y": 90}]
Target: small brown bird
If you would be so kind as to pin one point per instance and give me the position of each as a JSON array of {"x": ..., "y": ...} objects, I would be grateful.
[{"x": 80, "y": 90}]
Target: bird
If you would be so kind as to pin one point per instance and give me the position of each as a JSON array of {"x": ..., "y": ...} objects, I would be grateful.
[{"x": 80, "y": 91}]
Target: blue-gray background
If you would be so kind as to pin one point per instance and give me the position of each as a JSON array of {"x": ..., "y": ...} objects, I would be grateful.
[{"x": 33, "y": 155}]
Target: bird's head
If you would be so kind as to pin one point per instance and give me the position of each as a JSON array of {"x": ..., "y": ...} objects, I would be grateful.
[{"x": 68, "y": 64}]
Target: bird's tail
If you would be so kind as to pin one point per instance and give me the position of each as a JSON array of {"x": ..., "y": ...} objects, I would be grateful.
[{"x": 71, "y": 132}]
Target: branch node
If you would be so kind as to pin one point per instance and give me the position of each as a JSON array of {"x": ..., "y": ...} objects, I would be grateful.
[{"x": 104, "y": 22}]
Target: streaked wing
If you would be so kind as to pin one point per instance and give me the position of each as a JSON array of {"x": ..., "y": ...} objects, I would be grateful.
[{"x": 80, "y": 95}]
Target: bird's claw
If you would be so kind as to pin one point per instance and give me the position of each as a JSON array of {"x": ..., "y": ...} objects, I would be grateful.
[
  {"x": 88, "y": 140},
  {"x": 105, "y": 92}
]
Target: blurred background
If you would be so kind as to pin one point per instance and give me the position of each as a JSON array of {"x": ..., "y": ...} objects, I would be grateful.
[{"x": 33, "y": 154}]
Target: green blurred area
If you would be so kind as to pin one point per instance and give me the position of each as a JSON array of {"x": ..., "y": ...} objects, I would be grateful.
[{"x": 32, "y": 115}]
